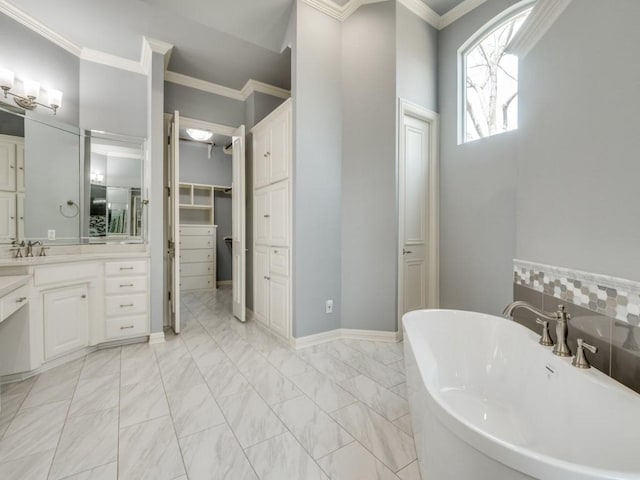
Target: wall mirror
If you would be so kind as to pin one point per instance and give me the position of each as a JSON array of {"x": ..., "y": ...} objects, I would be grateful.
[
  {"x": 61, "y": 186},
  {"x": 114, "y": 174}
]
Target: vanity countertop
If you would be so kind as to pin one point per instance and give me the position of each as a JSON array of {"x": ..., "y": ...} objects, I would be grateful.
[
  {"x": 79, "y": 257},
  {"x": 9, "y": 283}
]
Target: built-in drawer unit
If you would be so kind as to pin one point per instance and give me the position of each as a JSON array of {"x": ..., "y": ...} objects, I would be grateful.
[
  {"x": 126, "y": 298},
  {"x": 279, "y": 261},
  {"x": 197, "y": 257},
  {"x": 197, "y": 283},
  {"x": 12, "y": 302},
  {"x": 126, "y": 326}
]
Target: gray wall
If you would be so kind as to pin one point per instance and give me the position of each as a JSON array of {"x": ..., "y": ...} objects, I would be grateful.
[
  {"x": 477, "y": 191},
  {"x": 369, "y": 212},
  {"x": 201, "y": 105},
  {"x": 195, "y": 167},
  {"x": 112, "y": 100},
  {"x": 578, "y": 174},
  {"x": 416, "y": 59},
  {"x": 28, "y": 54},
  {"x": 317, "y": 171}
]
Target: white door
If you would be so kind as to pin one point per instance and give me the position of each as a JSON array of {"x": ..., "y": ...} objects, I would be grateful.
[
  {"x": 413, "y": 195},
  {"x": 261, "y": 167},
  {"x": 7, "y": 166},
  {"x": 66, "y": 320},
  {"x": 279, "y": 214},
  {"x": 279, "y": 305},
  {"x": 174, "y": 222},
  {"x": 261, "y": 285},
  {"x": 238, "y": 226},
  {"x": 7, "y": 217},
  {"x": 280, "y": 148}
]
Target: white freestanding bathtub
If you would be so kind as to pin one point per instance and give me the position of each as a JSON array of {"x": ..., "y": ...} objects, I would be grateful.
[{"x": 489, "y": 403}]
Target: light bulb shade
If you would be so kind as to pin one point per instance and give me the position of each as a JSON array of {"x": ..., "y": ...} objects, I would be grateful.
[
  {"x": 7, "y": 77},
  {"x": 31, "y": 88},
  {"x": 55, "y": 98},
  {"x": 199, "y": 135}
]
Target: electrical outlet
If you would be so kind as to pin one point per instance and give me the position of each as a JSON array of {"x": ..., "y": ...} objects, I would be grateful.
[
  {"x": 328, "y": 306},
  {"x": 51, "y": 234}
]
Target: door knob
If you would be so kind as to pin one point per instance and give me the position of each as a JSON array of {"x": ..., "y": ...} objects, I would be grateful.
[{"x": 405, "y": 252}]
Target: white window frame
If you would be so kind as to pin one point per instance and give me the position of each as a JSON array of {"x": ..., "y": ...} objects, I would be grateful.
[{"x": 500, "y": 19}]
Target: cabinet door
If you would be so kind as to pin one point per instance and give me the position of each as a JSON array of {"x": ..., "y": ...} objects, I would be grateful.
[
  {"x": 279, "y": 305},
  {"x": 20, "y": 167},
  {"x": 263, "y": 216},
  {"x": 261, "y": 285},
  {"x": 7, "y": 217},
  {"x": 66, "y": 320},
  {"x": 280, "y": 153},
  {"x": 20, "y": 216},
  {"x": 7, "y": 166},
  {"x": 261, "y": 158},
  {"x": 279, "y": 214}
]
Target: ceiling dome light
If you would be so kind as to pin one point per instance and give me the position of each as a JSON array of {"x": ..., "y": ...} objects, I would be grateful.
[{"x": 199, "y": 135}]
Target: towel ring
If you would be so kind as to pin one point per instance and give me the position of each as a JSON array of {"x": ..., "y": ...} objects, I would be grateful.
[{"x": 70, "y": 203}]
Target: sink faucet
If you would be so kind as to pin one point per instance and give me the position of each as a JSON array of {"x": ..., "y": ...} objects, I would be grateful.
[
  {"x": 560, "y": 316},
  {"x": 30, "y": 246}
]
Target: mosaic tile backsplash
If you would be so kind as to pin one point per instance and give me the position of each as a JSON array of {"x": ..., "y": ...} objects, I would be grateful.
[{"x": 610, "y": 296}]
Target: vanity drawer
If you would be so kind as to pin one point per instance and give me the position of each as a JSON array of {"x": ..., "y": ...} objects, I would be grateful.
[
  {"x": 76, "y": 273},
  {"x": 197, "y": 255},
  {"x": 197, "y": 282},
  {"x": 199, "y": 241},
  {"x": 134, "y": 267},
  {"x": 13, "y": 302},
  {"x": 126, "y": 326},
  {"x": 126, "y": 304},
  {"x": 190, "y": 231},
  {"x": 191, "y": 269},
  {"x": 125, "y": 285},
  {"x": 279, "y": 261}
]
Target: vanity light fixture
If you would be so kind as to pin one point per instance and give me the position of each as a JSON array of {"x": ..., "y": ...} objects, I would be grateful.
[
  {"x": 199, "y": 135},
  {"x": 31, "y": 92},
  {"x": 96, "y": 177}
]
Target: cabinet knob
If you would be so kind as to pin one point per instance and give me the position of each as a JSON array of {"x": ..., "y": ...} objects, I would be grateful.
[
  {"x": 21, "y": 299},
  {"x": 83, "y": 296},
  {"x": 267, "y": 215},
  {"x": 267, "y": 278},
  {"x": 11, "y": 166}
]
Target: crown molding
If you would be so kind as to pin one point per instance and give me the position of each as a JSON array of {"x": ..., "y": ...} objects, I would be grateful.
[
  {"x": 459, "y": 11},
  {"x": 423, "y": 11},
  {"x": 254, "y": 86},
  {"x": 543, "y": 16},
  {"x": 151, "y": 46},
  {"x": 418, "y": 7},
  {"x": 39, "y": 28},
  {"x": 250, "y": 87},
  {"x": 114, "y": 61}
]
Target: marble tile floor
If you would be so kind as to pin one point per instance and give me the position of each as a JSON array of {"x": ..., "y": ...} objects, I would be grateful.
[{"x": 222, "y": 400}]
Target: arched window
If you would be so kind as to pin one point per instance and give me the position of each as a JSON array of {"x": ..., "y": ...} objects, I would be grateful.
[{"x": 490, "y": 77}]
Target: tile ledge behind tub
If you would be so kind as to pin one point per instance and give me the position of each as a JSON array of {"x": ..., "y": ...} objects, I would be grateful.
[{"x": 615, "y": 297}]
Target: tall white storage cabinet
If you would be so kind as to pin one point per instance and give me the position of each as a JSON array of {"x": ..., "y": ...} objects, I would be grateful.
[
  {"x": 11, "y": 188},
  {"x": 272, "y": 158}
]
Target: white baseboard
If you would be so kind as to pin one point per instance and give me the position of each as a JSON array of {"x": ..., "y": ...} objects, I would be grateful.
[
  {"x": 223, "y": 283},
  {"x": 157, "y": 337},
  {"x": 345, "y": 334},
  {"x": 249, "y": 315}
]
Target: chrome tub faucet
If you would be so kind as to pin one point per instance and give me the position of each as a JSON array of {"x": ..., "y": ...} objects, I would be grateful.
[{"x": 560, "y": 316}]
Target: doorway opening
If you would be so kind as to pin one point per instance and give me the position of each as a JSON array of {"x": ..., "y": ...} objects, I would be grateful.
[
  {"x": 206, "y": 221},
  {"x": 418, "y": 268}
]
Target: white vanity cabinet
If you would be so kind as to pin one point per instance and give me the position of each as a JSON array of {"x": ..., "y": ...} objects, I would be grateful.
[
  {"x": 66, "y": 320},
  {"x": 272, "y": 156}
]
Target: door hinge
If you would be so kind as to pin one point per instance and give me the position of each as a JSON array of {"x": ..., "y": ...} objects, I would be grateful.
[
  {"x": 169, "y": 294},
  {"x": 169, "y": 191},
  {"x": 171, "y": 244}
]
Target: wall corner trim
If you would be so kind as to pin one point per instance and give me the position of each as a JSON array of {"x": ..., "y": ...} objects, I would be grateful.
[
  {"x": 345, "y": 334},
  {"x": 155, "y": 338},
  {"x": 543, "y": 16},
  {"x": 151, "y": 46}
]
